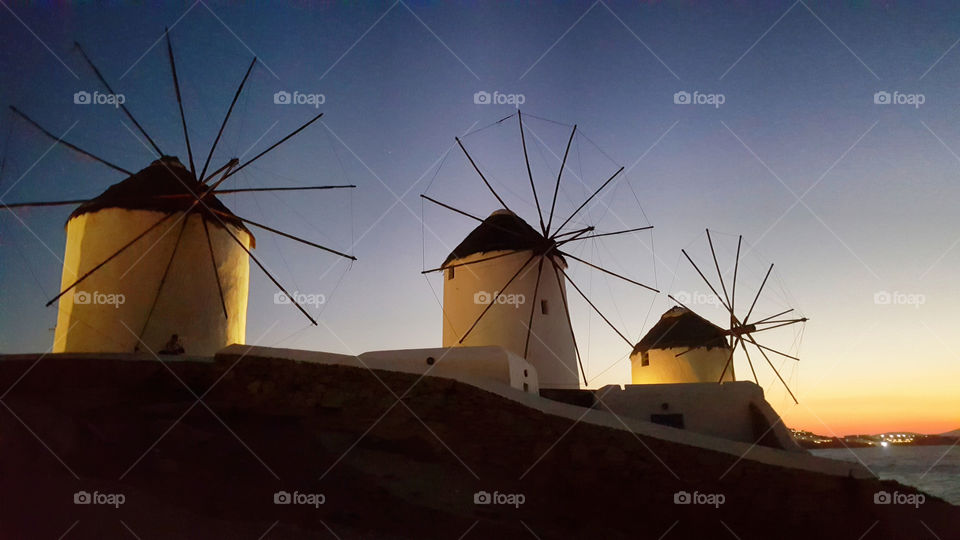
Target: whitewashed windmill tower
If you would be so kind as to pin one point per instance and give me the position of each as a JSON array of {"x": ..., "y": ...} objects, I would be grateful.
[
  {"x": 198, "y": 258},
  {"x": 486, "y": 260},
  {"x": 681, "y": 347},
  {"x": 684, "y": 347},
  {"x": 157, "y": 262},
  {"x": 505, "y": 284}
]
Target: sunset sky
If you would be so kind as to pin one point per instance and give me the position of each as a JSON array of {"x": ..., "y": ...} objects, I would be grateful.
[{"x": 855, "y": 202}]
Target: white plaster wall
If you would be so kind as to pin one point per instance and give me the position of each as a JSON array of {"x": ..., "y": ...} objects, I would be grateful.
[
  {"x": 189, "y": 303},
  {"x": 699, "y": 365},
  {"x": 551, "y": 348},
  {"x": 719, "y": 410},
  {"x": 467, "y": 364},
  {"x": 800, "y": 460}
]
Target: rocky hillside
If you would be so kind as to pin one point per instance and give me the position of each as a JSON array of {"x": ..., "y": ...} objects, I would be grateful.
[{"x": 161, "y": 463}]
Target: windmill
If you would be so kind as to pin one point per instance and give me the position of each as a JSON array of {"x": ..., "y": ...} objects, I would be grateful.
[
  {"x": 163, "y": 242},
  {"x": 506, "y": 281},
  {"x": 740, "y": 330}
]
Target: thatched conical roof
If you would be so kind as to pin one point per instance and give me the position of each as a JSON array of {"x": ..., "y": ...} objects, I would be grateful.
[
  {"x": 680, "y": 327},
  {"x": 501, "y": 231},
  {"x": 163, "y": 186}
]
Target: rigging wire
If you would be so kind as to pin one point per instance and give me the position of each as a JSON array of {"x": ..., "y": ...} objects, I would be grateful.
[{"x": 478, "y": 130}]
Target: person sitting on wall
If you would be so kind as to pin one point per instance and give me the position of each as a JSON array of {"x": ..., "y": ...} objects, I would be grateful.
[{"x": 174, "y": 346}]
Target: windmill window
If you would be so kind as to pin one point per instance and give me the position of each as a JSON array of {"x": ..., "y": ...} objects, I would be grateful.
[
  {"x": 450, "y": 273},
  {"x": 645, "y": 358},
  {"x": 543, "y": 307}
]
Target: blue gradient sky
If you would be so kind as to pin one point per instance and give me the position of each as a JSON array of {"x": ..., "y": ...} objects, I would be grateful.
[{"x": 799, "y": 115}]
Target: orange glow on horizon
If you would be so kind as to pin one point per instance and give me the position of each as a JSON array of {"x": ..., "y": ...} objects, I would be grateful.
[{"x": 853, "y": 415}]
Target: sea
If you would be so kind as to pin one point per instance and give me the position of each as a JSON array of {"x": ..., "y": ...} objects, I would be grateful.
[{"x": 932, "y": 469}]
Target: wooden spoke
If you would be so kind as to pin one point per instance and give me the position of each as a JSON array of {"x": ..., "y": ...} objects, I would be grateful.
[
  {"x": 452, "y": 209},
  {"x": 566, "y": 311},
  {"x": 736, "y": 267},
  {"x": 604, "y": 234},
  {"x": 438, "y": 269},
  {"x": 176, "y": 86},
  {"x": 272, "y": 146},
  {"x": 750, "y": 362},
  {"x": 482, "y": 177},
  {"x": 771, "y": 350},
  {"x": 224, "y": 123},
  {"x": 471, "y": 216},
  {"x": 780, "y": 323},
  {"x": 122, "y": 106},
  {"x": 773, "y": 368},
  {"x": 590, "y": 198},
  {"x": 216, "y": 270},
  {"x": 173, "y": 196},
  {"x": 292, "y": 188},
  {"x": 526, "y": 158},
  {"x": 71, "y": 146},
  {"x": 757, "y": 297},
  {"x": 281, "y": 233},
  {"x": 576, "y": 232},
  {"x": 761, "y": 321},
  {"x": 556, "y": 189},
  {"x": 717, "y": 265},
  {"x": 777, "y": 321},
  {"x": 536, "y": 289},
  {"x": 267, "y": 272},
  {"x": 214, "y": 213},
  {"x": 604, "y": 270},
  {"x": 42, "y": 203},
  {"x": 705, "y": 280},
  {"x": 602, "y": 316}
]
